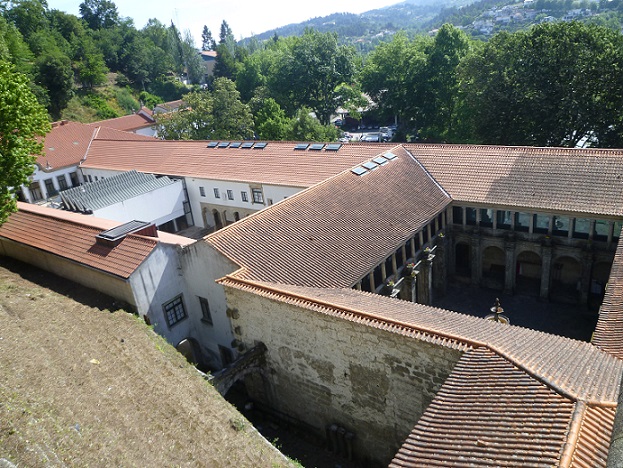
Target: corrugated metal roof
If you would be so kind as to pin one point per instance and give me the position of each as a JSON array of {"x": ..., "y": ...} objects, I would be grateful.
[{"x": 93, "y": 196}]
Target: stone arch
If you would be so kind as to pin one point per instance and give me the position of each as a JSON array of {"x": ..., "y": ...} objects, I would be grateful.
[
  {"x": 191, "y": 350},
  {"x": 218, "y": 224},
  {"x": 493, "y": 267},
  {"x": 566, "y": 279},
  {"x": 463, "y": 259},
  {"x": 224, "y": 218},
  {"x": 236, "y": 216},
  {"x": 528, "y": 273}
]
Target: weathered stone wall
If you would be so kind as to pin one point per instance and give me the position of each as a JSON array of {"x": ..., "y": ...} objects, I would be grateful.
[{"x": 325, "y": 370}]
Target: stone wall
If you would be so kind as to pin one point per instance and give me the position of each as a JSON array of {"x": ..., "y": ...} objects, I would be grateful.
[{"x": 324, "y": 370}]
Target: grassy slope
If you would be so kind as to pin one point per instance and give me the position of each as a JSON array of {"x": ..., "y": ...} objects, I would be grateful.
[{"x": 81, "y": 386}]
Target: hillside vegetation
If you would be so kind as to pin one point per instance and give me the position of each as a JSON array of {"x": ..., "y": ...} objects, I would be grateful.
[{"x": 81, "y": 385}]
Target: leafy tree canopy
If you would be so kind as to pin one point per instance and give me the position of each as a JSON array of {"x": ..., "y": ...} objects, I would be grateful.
[{"x": 23, "y": 121}]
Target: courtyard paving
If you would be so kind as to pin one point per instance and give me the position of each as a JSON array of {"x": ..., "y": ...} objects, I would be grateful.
[{"x": 570, "y": 320}]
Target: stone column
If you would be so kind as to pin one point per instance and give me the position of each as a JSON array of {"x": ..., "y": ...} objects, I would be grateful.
[
  {"x": 425, "y": 281},
  {"x": 546, "y": 268},
  {"x": 509, "y": 277},
  {"x": 476, "y": 259},
  {"x": 407, "y": 292},
  {"x": 439, "y": 274}
]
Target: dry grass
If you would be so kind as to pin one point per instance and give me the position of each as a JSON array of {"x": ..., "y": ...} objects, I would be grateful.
[{"x": 81, "y": 386}]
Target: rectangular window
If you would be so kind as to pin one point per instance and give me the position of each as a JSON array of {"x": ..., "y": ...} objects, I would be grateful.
[
  {"x": 230, "y": 194},
  {"x": 504, "y": 219},
  {"x": 522, "y": 222},
  {"x": 90, "y": 178},
  {"x": 257, "y": 196},
  {"x": 202, "y": 191},
  {"x": 174, "y": 311},
  {"x": 49, "y": 187},
  {"x": 602, "y": 229},
  {"x": 486, "y": 217},
  {"x": 217, "y": 194},
  {"x": 560, "y": 226},
  {"x": 244, "y": 196},
  {"x": 541, "y": 224},
  {"x": 470, "y": 216},
  {"x": 62, "y": 182},
  {"x": 206, "y": 316},
  {"x": 581, "y": 228},
  {"x": 457, "y": 215},
  {"x": 73, "y": 177}
]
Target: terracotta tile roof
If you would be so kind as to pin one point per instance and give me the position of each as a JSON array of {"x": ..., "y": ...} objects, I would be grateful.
[
  {"x": 591, "y": 449},
  {"x": 489, "y": 412},
  {"x": 67, "y": 143},
  {"x": 538, "y": 178},
  {"x": 128, "y": 122},
  {"x": 608, "y": 333},
  {"x": 77, "y": 242},
  {"x": 572, "y": 368},
  {"x": 91, "y": 221},
  {"x": 277, "y": 164},
  {"x": 334, "y": 233}
]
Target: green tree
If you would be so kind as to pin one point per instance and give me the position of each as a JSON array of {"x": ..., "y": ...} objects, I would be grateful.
[
  {"x": 99, "y": 14},
  {"x": 54, "y": 73},
  {"x": 557, "y": 84},
  {"x": 225, "y": 33},
  {"x": 89, "y": 62},
  {"x": 207, "y": 41},
  {"x": 309, "y": 71},
  {"x": 209, "y": 115},
  {"x": 304, "y": 127},
  {"x": 233, "y": 118},
  {"x": 23, "y": 122},
  {"x": 271, "y": 122}
]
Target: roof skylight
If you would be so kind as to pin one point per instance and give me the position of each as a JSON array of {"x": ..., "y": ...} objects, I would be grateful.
[{"x": 213, "y": 144}]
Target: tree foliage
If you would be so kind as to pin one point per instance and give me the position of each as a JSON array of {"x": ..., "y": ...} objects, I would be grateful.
[
  {"x": 217, "y": 114},
  {"x": 99, "y": 14},
  {"x": 555, "y": 85},
  {"x": 22, "y": 123}
]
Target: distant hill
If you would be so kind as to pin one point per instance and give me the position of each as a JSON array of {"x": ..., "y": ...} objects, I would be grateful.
[{"x": 367, "y": 29}]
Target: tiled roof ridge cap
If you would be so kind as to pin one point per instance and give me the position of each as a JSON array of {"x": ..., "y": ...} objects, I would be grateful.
[
  {"x": 571, "y": 442},
  {"x": 427, "y": 172},
  {"x": 470, "y": 343},
  {"x": 540, "y": 149}
]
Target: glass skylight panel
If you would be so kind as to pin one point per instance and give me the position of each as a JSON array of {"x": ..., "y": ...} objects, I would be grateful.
[
  {"x": 213, "y": 144},
  {"x": 235, "y": 144},
  {"x": 223, "y": 144},
  {"x": 316, "y": 147},
  {"x": 260, "y": 145},
  {"x": 247, "y": 145},
  {"x": 370, "y": 165},
  {"x": 333, "y": 147},
  {"x": 359, "y": 170},
  {"x": 301, "y": 146},
  {"x": 380, "y": 160},
  {"x": 390, "y": 156}
]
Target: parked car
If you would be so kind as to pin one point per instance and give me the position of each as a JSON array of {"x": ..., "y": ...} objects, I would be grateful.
[{"x": 372, "y": 137}]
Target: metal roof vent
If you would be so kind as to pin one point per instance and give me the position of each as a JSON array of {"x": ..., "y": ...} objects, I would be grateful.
[{"x": 113, "y": 237}]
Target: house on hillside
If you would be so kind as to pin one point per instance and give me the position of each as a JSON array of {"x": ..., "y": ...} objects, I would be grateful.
[
  {"x": 208, "y": 58},
  {"x": 141, "y": 122}
]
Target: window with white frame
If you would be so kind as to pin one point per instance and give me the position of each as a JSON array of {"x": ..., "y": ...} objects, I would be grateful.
[
  {"x": 206, "y": 315},
  {"x": 174, "y": 311},
  {"x": 230, "y": 194},
  {"x": 217, "y": 194},
  {"x": 244, "y": 196},
  {"x": 202, "y": 191},
  {"x": 62, "y": 182},
  {"x": 258, "y": 197}
]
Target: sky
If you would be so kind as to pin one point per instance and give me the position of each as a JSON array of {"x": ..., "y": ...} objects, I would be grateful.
[{"x": 245, "y": 17}]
